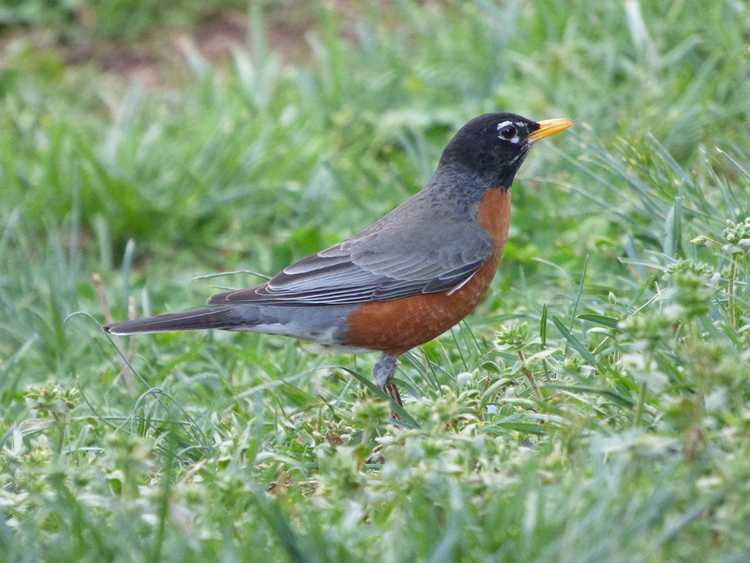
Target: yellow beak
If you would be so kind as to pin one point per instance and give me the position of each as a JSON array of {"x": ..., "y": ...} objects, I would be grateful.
[{"x": 549, "y": 127}]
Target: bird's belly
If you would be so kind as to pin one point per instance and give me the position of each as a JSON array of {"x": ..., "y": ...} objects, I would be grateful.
[{"x": 401, "y": 324}]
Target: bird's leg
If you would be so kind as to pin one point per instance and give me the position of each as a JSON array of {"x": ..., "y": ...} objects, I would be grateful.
[{"x": 383, "y": 372}]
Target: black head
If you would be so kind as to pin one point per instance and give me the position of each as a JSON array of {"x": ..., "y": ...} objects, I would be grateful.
[{"x": 493, "y": 146}]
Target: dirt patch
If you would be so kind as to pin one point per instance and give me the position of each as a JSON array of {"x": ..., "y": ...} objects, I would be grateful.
[
  {"x": 216, "y": 36},
  {"x": 158, "y": 59},
  {"x": 134, "y": 64}
]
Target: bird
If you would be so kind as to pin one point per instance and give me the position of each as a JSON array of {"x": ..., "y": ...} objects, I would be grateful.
[{"x": 405, "y": 279}]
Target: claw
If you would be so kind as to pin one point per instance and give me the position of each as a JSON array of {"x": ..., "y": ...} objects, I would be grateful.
[{"x": 392, "y": 391}]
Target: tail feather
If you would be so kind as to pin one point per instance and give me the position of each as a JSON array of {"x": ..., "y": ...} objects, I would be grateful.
[{"x": 197, "y": 319}]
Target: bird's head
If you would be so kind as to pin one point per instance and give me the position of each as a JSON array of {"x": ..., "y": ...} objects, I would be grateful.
[{"x": 493, "y": 146}]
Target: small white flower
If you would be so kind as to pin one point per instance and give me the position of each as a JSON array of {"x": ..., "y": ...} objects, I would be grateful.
[
  {"x": 634, "y": 361},
  {"x": 673, "y": 311},
  {"x": 464, "y": 378},
  {"x": 716, "y": 400}
]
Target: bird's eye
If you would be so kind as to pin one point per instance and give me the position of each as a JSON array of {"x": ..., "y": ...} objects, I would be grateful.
[{"x": 508, "y": 132}]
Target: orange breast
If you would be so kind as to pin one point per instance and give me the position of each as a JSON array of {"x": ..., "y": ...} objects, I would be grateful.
[{"x": 401, "y": 324}]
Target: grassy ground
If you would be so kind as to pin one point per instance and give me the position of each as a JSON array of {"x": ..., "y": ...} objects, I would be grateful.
[{"x": 623, "y": 295}]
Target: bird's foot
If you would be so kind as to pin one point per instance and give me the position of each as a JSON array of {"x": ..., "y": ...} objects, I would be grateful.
[
  {"x": 392, "y": 391},
  {"x": 383, "y": 374}
]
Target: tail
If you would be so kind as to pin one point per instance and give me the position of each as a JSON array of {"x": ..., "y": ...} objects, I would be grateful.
[{"x": 197, "y": 319}]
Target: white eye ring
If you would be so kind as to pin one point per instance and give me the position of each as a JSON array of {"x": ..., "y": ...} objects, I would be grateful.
[{"x": 508, "y": 132}]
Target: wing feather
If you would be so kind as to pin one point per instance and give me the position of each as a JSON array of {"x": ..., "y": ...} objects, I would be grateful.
[{"x": 379, "y": 266}]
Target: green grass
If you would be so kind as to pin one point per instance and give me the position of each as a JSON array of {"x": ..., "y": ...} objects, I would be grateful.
[
  {"x": 86, "y": 20},
  {"x": 623, "y": 295}
]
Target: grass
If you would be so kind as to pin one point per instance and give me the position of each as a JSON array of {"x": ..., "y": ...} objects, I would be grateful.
[
  {"x": 623, "y": 297},
  {"x": 85, "y": 20}
]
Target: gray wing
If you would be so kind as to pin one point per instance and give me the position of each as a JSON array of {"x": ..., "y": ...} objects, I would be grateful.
[{"x": 377, "y": 266}]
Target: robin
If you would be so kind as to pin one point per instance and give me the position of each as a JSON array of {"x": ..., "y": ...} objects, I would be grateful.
[{"x": 405, "y": 279}]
